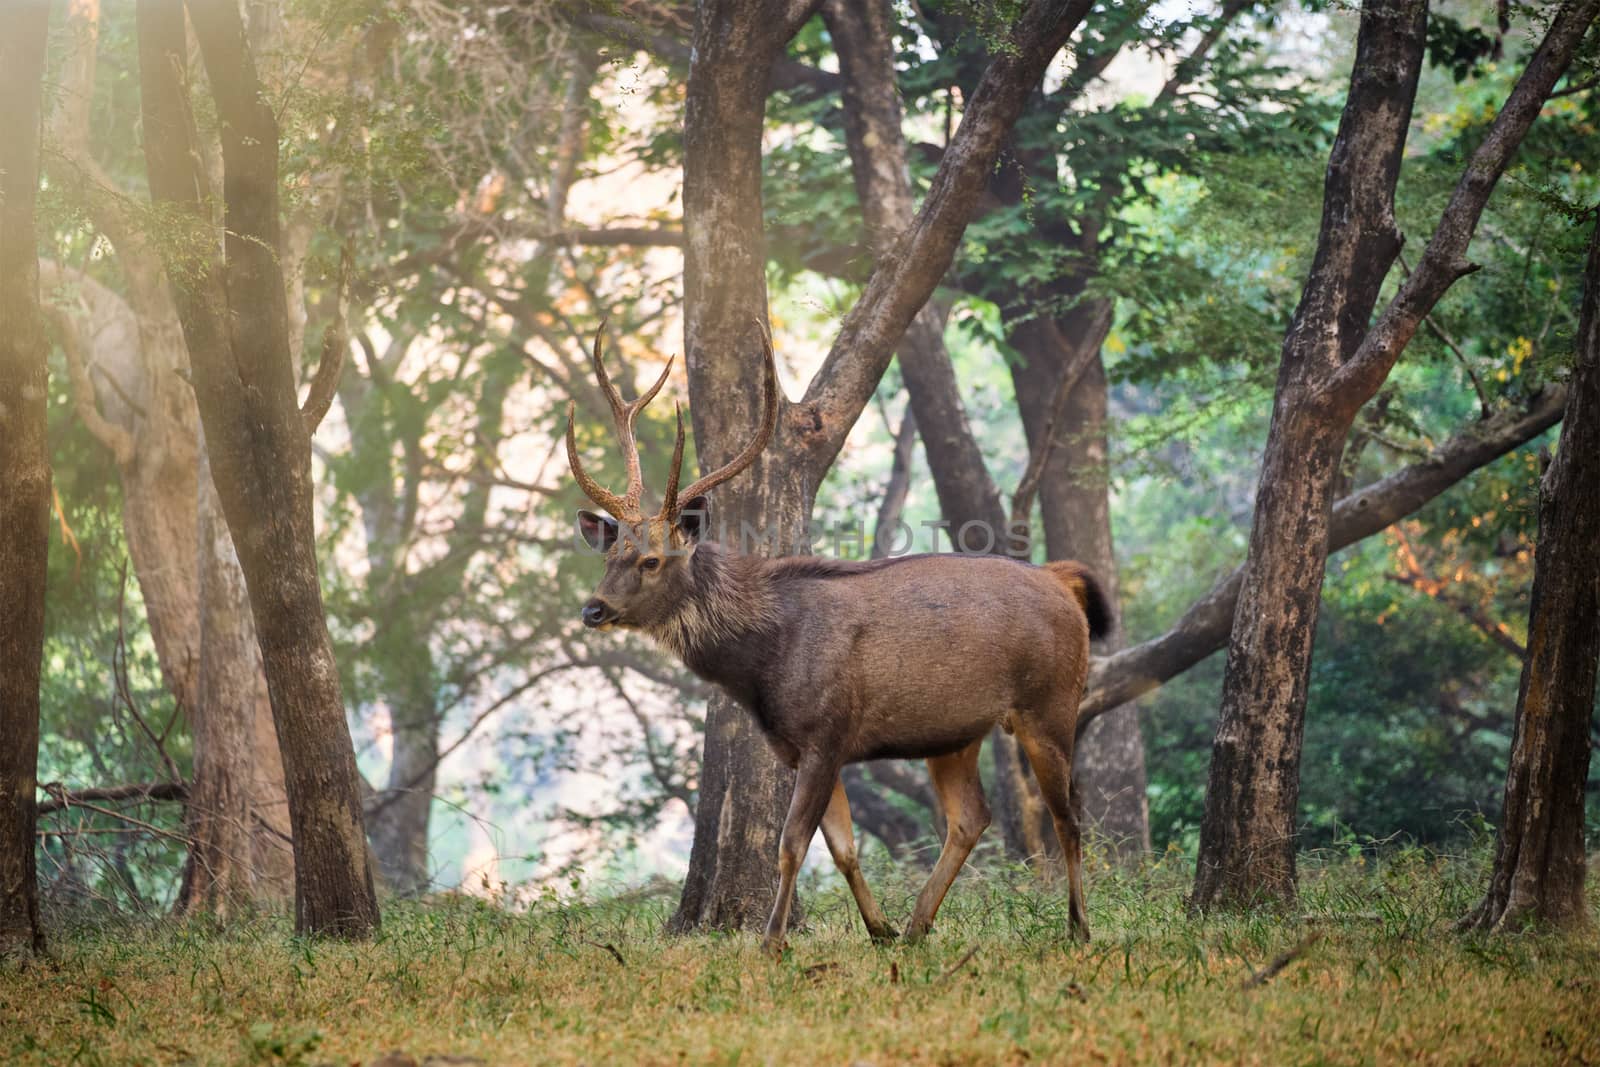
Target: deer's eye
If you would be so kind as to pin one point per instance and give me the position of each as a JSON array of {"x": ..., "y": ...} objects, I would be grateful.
[{"x": 650, "y": 563}]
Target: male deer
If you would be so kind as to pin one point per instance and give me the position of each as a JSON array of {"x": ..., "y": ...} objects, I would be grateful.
[{"x": 914, "y": 657}]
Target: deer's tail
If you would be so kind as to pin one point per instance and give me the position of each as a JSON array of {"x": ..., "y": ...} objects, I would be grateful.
[{"x": 1080, "y": 582}]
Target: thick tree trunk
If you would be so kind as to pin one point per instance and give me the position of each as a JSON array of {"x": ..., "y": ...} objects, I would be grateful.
[
  {"x": 1539, "y": 859},
  {"x": 744, "y": 791},
  {"x": 1247, "y": 837},
  {"x": 150, "y": 425},
  {"x": 236, "y": 324},
  {"x": 1075, "y": 504},
  {"x": 732, "y": 865},
  {"x": 24, "y": 471},
  {"x": 1332, "y": 364}
]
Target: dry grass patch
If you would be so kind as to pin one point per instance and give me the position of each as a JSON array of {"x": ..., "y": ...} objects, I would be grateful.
[{"x": 1375, "y": 976}]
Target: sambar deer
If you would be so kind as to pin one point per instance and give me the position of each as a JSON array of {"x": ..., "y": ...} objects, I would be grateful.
[{"x": 910, "y": 657}]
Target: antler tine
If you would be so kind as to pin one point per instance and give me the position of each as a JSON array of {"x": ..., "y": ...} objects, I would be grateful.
[
  {"x": 630, "y": 446},
  {"x": 669, "y": 501},
  {"x": 624, "y": 415},
  {"x": 591, "y": 488},
  {"x": 769, "y": 422}
]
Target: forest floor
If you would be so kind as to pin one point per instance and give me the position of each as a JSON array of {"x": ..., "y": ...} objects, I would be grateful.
[{"x": 1368, "y": 971}]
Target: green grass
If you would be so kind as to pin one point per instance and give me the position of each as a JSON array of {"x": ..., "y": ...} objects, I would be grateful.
[{"x": 1380, "y": 978}]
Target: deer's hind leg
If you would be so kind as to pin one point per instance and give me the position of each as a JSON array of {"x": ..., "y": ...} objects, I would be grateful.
[
  {"x": 960, "y": 792},
  {"x": 841, "y": 839},
  {"x": 1049, "y": 749}
]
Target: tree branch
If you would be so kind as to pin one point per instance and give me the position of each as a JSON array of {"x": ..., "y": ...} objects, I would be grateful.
[
  {"x": 909, "y": 271},
  {"x": 1204, "y": 627},
  {"x": 116, "y": 438},
  {"x": 787, "y": 74},
  {"x": 1444, "y": 261},
  {"x": 335, "y": 343},
  {"x": 62, "y": 798}
]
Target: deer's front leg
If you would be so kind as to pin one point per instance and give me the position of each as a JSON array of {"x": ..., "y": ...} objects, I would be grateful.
[{"x": 813, "y": 787}]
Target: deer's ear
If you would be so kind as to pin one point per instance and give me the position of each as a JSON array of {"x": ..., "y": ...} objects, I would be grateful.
[
  {"x": 599, "y": 531},
  {"x": 694, "y": 519}
]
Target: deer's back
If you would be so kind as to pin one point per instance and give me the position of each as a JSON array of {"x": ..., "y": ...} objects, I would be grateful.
[{"x": 922, "y": 655}]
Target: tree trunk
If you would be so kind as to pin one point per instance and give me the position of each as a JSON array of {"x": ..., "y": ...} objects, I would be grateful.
[
  {"x": 399, "y": 827},
  {"x": 1075, "y": 504},
  {"x": 1539, "y": 859},
  {"x": 149, "y": 424},
  {"x": 219, "y": 878},
  {"x": 744, "y": 791},
  {"x": 24, "y": 471},
  {"x": 732, "y": 868},
  {"x": 235, "y": 320},
  {"x": 1332, "y": 364},
  {"x": 1247, "y": 836}
]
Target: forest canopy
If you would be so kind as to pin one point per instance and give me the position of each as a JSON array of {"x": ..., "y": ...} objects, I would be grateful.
[{"x": 469, "y": 196}]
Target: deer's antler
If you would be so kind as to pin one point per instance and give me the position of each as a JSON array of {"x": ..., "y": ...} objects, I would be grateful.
[{"x": 626, "y": 506}]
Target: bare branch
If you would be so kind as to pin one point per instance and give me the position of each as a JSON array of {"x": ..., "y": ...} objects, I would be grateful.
[
  {"x": 116, "y": 438},
  {"x": 62, "y": 798},
  {"x": 335, "y": 343},
  {"x": 1204, "y": 627}
]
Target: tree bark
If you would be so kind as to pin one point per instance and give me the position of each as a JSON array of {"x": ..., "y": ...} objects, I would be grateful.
[
  {"x": 1332, "y": 364},
  {"x": 743, "y": 790},
  {"x": 149, "y": 424},
  {"x": 1203, "y": 628},
  {"x": 1247, "y": 840},
  {"x": 1075, "y": 505},
  {"x": 1539, "y": 858},
  {"x": 236, "y": 323},
  {"x": 24, "y": 471},
  {"x": 218, "y": 879},
  {"x": 732, "y": 868}
]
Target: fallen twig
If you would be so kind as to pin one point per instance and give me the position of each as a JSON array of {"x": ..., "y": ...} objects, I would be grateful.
[
  {"x": 957, "y": 965},
  {"x": 609, "y": 947},
  {"x": 1263, "y": 976}
]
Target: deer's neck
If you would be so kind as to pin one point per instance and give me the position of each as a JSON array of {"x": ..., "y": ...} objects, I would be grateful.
[{"x": 727, "y": 615}]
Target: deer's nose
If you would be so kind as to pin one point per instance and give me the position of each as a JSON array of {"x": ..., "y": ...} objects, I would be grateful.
[{"x": 597, "y": 613}]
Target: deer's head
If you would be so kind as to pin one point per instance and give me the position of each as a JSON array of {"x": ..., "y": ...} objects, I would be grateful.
[{"x": 647, "y": 573}]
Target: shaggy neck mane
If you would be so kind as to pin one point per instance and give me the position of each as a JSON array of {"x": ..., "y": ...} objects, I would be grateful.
[{"x": 730, "y": 596}]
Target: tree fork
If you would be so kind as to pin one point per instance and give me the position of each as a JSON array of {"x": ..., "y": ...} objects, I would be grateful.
[{"x": 235, "y": 320}]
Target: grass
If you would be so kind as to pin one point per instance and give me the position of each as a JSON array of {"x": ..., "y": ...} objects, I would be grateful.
[{"x": 1375, "y": 976}]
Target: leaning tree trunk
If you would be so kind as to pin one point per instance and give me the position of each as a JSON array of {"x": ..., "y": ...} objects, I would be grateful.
[
  {"x": 236, "y": 323},
  {"x": 1332, "y": 364},
  {"x": 24, "y": 471},
  {"x": 1247, "y": 838},
  {"x": 1539, "y": 859}
]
